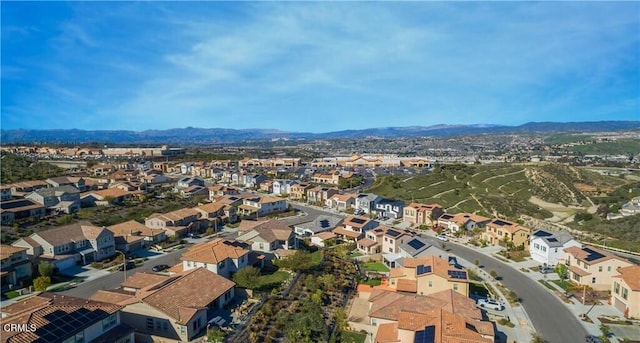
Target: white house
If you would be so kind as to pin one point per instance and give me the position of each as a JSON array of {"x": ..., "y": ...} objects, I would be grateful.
[{"x": 548, "y": 247}]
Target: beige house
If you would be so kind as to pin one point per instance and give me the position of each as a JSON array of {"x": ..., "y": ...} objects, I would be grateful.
[
  {"x": 625, "y": 292},
  {"x": 273, "y": 236},
  {"x": 220, "y": 256},
  {"x": 462, "y": 221},
  {"x": 354, "y": 227},
  {"x": 428, "y": 275},
  {"x": 320, "y": 194},
  {"x": 501, "y": 232},
  {"x": 299, "y": 191},
  {"x": 392, "y": 239},
  {"x": 262, "y": 206},
  {"x": 176, "y": 223},
  {"x": 171, "y": 309},
  {"x": 421, "y": 214},
  {"x": 341, "y": 202},
  {"x": 372, "y": 241},
  {"x": 131, "y": 235},
  {"x": 591, "y": 267},
  {"x": 15, "y": 267},
  {"x": 447, "y": 316}
]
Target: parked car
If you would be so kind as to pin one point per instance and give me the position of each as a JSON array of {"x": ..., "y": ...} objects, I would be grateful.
[
  {"x": 546, "y": 270},
  {"x": 491, "y": 304},
  {"x": 159, "y": 267},
  {"x": 129, "y": 265},
  {"x": 443, "y": 237},
  {"x": 592, "y": 339}
]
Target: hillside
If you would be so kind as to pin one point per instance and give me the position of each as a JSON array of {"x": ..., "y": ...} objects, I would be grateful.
[{"x": 503, "y": 189}]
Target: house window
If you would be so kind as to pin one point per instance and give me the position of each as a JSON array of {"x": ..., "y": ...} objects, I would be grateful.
[
  {"x": 455, "y": 286},
  {"x": 609, "y": 268},
  {"x": 150, "y": 324},
  {"x": 624, "y": 293},
  {"x": 593, "y": 280},
  {"x": 616, "y": 287},
  {"x": 600, "y": 268},
  {"x": 393, "y": 281},
  {"x": 430, "y": 283},
  {"x": 183, "y": 329},
  {"x": 108, "y": 322}
]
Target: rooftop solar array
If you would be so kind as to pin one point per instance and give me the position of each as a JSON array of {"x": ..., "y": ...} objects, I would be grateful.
[
  {"x": 63, "y": 324},
  {"x": 423, "y": 269},
  {"x": 393, "y": 233},
  {"x": 593, "y": 255},
  {"x": 457, "y": 274},
  {"x": 14, "y": 204},
  {"x": 446, "y": 216},
  {"x": 552, "y": 239},
  {"x": 416, "y": 244},
  {"x": 324, "y": 223},
  {"x": 501, "y": 222},
  {"x": 358, "y": 220},
  {"x": 428, "y": 335},
  {"x": 542, "y": 233}
]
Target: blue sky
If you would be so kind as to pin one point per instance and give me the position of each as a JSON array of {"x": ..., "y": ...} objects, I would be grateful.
[{"x": 316, "y": 66}]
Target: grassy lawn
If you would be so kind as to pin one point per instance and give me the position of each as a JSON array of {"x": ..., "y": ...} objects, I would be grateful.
[
  {"x": 316, "y": 258},
  {"x": 355, "y": 254},
  {"x": 376, "y": 267},
  {"x": 566, "y": 285},
  {"x": 352, "y": 337},
  {"x": 272, "y": 280},
  {"x": 546, "y": 284},
  {"x": 372, "y": 282}
]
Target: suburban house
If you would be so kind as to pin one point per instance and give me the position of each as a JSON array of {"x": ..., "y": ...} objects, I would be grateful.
[
  {"x": 591, "y": 267},
  {"x": 266, "y": 186},
  {"x": 421, "y": 214},
  {"x": 299, "y": 191},
  {"x": 219, "y": 190},
  {"x": 221, "y": 256},
  {"x": 23, "y": 188},
  {"x": 59, "y": 199},
  {"x": 283, "y": 187},
  {"x": 51, "y": 317},
  {"x": 217, "y": 213},
  {"x": 547, "y": 247},
  {"x": 321, "y": 239},
  {"x": 428, "y": 275},
  {"x": 254, "y": 180},
  {"x": 354, "y": 227},
  {"x": 625, "y": 292},
  {"x": 331, "y": 178},
  {"x": 321, "y": 223},
  {"x": 155, "y": 179},
  {"x": 371, "y": 243},
  {"x": 12, "y": 210},
  {"x": 320, "y": 194},
  {"x": 176, "y": 223},
  {"x": 272, "y": 236},
  {"x": 131, "y": 236},
  {"x": 262, "y": 206},
  {"x": 5, "y": 192},
  {"x": 15, "y": 267},
  {"x": 341, "y": 202},
  {"x": 410, "y": 247},
  {"x": 187, "y": 182},
  {"x": 445, "y": 316},
  {"x": 106, "y": 196},
  {"x": 193, "y": 191},
  {"x": 170, "y": 308},
  {"x": 66, "y": 246},
  {"x": 500, "y": 232},
  {"x": 102, "y": 169},
  {"x": 391, "y": 240},
  {"x": 76, "y": 182},
  {"x": 462, "y": 221},
  {"x": 366, "y": 203},
  {"x": 389, "y": 208}
]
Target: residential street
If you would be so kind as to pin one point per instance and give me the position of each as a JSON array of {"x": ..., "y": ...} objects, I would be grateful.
[
  {"x": 550, "y": 318},
  {"x": 113, "y": 280}
]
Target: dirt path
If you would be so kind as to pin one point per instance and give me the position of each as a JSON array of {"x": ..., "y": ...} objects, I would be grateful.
[
  {"x": 445, "y": 192},
  {"x": 435, "y": 184},
  {"x": 479, "y": 203},
  {"x": 456, "y": 205},
  {"x": 503, "y": 175},
  {"x": 561, "y": 213}
]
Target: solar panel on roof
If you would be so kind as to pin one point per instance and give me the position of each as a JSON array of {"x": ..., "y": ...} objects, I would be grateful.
[
  {"x": 416, "y": 244},
  {"x": 421, "y": 269},
  {"x": 552, "y": 239},
  {"x": 593, "y": 255},
  {"x": 457, "y": 274},
  {"x": 447, "y": 216},
  {"x": 358, "y": 220},
  {"x": 542, "y": 234},
  {"x": 501, "y": 222},
  {"x": 393, "y": 233},
  {"x": 428, "y": 335},
  {"x": 324, "y": 223}
]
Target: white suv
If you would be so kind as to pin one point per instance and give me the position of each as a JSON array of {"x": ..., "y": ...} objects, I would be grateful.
[
  {"x": 443, "y": 237},
  {"x": 490, "y": 303}
]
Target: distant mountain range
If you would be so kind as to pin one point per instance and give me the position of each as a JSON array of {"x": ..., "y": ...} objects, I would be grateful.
[{"x": 201, "y": 136}]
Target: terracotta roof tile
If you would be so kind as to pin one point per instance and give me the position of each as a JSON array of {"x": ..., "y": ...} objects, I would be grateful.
[
  {"x": 216, "y": 251},
  {"x": 631, "y": 276}
]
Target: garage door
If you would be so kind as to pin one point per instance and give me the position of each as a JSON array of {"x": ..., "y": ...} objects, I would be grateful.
[
  {"x": 66, "y": 263},
  {"x": 621, "y": 306}
]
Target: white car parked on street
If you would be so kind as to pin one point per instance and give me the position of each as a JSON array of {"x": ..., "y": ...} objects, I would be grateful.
[
  {"x": 491, "y": 304},
  {"x": 443, "y": 237}
]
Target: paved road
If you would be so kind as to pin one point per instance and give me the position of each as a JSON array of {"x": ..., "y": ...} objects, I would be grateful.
[
  {"x": 113, "y": 280},
  {"x": 550, "y": 318}
]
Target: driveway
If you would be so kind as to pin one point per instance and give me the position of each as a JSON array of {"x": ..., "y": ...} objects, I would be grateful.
[{"x": 550, "y": 318}]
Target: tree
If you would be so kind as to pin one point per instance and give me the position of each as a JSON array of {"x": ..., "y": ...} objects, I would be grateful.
[
  {"x": 41, "y": 283},
  {"x": 45, "y": 269},
  {"x": 340, "y": 316},
  {"x": 561, "y": 270},
  {"x": 248, "y": 277},
  {"x": 299, "y": 261},
  {"x": 215, "y": 335}
]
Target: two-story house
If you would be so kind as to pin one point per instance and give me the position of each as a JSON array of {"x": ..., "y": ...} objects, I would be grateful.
[
  {"x": 547, "y": 247},
  {"x": 421, "y": 214},
  {"x": 220, "y": 190},
  {"x": 625, "y": 291},
  {"x": 76, "y": 182},
  {"x": 428, "y": 275},
  {"x": 410, "y": 246},
  {"x": 273, "y": 237},
  {"x": 221, "y": 256},
  {"x": 171, "y": 309},
  {"x": 371, "y": 243},
  {"x": 12, "y": 210},
  {"x": 217, "y": 213},
  {"x": 321, "y": 223},
  {"x": 176, "y": 223},
  {"x": 187, "y": 182},
  {"x": 354, "y": 227},
  {"x": 254, "y": 180},
  {"x": 391, "y": 240},
  {"x": 283, "y": 187},
  {"x": 389, "y": 208},
  {"x": 66, "y": 246},
  {"x": 320, "y": 194},
  {"x": 341, "y": 202},
  {"x": 15, "y": 267},
  {"x": 49, "y": 317},
  {"x": 462, "y": 221},
  {"x": 588, "y": 266},
  {"x": 366, "y": 203},
  {"x": 502, "y": 232},
  {"x": 262, "y": 205},
  {"x": 5, "y": 192},
  {"x": 131, "y": 236},
  {"x": 58, "y": 199},
  {"x": 299, "y": 191}
]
